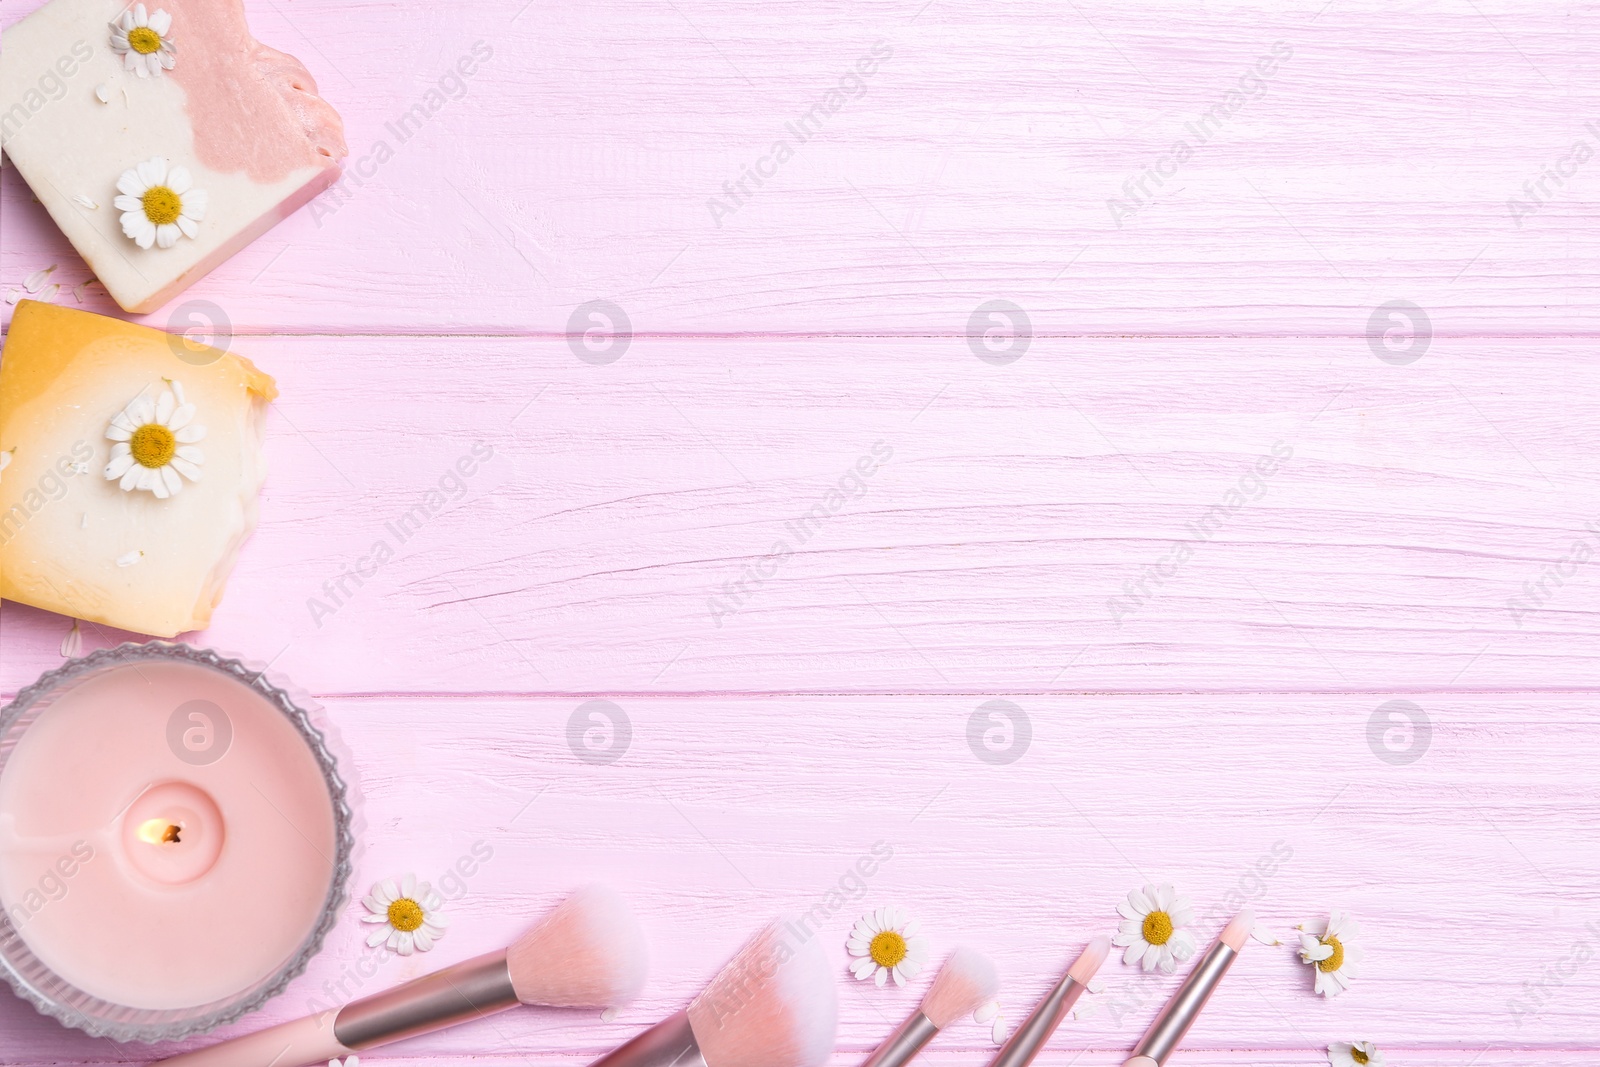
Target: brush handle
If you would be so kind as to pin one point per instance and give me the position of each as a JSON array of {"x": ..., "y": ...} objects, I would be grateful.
[
  {"x": 1036, "y": 1029},
  {"x": 903, "y": 1045},
  {"x": 308, "y": 1040},
  {"x": 468, "y": 990},
  {"x": 669, "y": 1043},
  {"x": 1183, "y": 1009}
]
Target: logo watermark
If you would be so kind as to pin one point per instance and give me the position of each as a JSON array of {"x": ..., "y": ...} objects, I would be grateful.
[
  {"x": 999, "y": 732},
  {"x": 599, "y": 732}
]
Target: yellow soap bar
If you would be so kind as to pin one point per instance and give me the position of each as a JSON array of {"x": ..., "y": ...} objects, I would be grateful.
[{"x": 130, "y": 465}]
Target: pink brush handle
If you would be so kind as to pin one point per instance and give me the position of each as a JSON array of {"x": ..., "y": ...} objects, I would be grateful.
[{"x": 296, "y": 1044}]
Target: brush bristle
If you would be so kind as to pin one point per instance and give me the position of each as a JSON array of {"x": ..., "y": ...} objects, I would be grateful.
[
  {"x": 1089, "y": 960},
  {"x": 966, "y": 982},
  {"x": 773, "y": 1005},
  {"x": 1238, "y": 931},
  {"x": 587, "y": 953}
]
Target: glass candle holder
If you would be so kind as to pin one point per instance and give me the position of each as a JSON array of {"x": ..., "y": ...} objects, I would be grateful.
[{"x": 175, "y": 841}]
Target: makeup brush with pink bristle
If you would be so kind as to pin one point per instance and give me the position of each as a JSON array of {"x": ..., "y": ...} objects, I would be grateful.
[
  {"x": 965, "y": 983},
  {"x": 586, "y": 953},
  {"x": 772, "y": 1005}
]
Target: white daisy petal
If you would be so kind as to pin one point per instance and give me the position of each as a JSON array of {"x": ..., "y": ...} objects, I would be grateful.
[
  {"x": 167, "y": 235},
  {"x": 190, "y": 434},
  {"x": 130, "y": 477},
  {"x": 185, "y": 468},
  {"x": 161, "y": 22},
  {"x": 881, "y": 977},
  {"x": 153, "y": 171},
  {"x": 141, "y": 17},
  {"x": 377, "y": 938},
  {"x": 170, "y": 479},
  {"x": 179, "y": 180},
  {"x": 166, "y": 404},
  {"x": 125, "y": 202},
  {"x": 1141, "y": 902},
  {"x": 118, "y": 467},
  {"x": 1134, "y": 953}
]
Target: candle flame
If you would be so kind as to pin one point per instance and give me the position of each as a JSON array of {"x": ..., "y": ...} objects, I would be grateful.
[{"x": 159, "y": 832}]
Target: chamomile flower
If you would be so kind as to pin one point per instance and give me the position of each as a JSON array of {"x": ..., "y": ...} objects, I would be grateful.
[
  {"x": 154, "y": 443},
  {"x": 1332, "y": 954},
  {"x": 348, "y": 1061},
  {"x": 159, "y": 204},
  {"x": 1357, "y": 1054},
  {"x": 885, "y": 943},
  {"x": 1153, "y": 932},
  {"x": 144, "y": 41},
  {"x": 408, "y": 914}
]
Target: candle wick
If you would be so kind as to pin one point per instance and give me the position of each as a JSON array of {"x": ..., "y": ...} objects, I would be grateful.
[{"x": 171, "y": 834}]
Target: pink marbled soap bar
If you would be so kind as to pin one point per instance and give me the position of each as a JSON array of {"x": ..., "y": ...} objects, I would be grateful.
[{"x": 92, "y": 94}]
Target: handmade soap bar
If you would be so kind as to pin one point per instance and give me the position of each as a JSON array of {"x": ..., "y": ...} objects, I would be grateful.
[
  {"x": 130, "y": 461},
  {"x": 162, "y": 139}
]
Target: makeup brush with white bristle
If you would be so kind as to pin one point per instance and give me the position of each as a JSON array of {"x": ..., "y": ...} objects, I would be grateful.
[
  {"x": 965, "y": 983},
  {"x": 586, "y": 953},
  {"x": 772, "y": 1005}
]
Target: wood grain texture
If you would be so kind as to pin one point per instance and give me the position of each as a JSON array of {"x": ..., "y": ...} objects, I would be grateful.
[
  {"x": 1199, "y": 534},
  {"x": 975, "y": 163}
]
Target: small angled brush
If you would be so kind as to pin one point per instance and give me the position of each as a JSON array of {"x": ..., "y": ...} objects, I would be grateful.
[
  {"x": 587, "y": 953},
  {"x": 965, "y": 983}
]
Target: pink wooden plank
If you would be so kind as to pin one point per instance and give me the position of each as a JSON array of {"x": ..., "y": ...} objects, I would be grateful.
[
  {"x": 976, "y": 163},
  {"x": 1003, "y": 545}
]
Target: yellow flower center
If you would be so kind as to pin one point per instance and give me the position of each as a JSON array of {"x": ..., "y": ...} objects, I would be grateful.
[
  {"x": 153, "y": 445},
  {"x": 162, "y": 206},
  {"x": 1359, "y": 1056},
  {"x": 405, "y": 914},
  {"x": 1333, "y": 962},
  {"x": 888, "y": 948},
  {"x": 1158, "y": 928},
  {"x": 144, "y": 40}
]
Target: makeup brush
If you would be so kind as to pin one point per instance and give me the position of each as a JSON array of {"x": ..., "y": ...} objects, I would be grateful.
[
  {"x": 965, "y": 982},
  {"x": 1024, "y": 1045},
  {"x": 772, "y": 1005},
  {"x": 1159, "y": 1042},
  {"x": 586, "y": 953}
]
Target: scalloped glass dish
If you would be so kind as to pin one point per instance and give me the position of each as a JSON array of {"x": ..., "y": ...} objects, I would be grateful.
[{"x": 175, "y": 841}]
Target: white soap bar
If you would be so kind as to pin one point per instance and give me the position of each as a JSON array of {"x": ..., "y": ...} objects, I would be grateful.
[{"x": 160, "y": 125}]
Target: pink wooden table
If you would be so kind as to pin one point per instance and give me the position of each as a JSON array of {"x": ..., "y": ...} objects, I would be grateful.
[{"x": 1064, "y": 514}]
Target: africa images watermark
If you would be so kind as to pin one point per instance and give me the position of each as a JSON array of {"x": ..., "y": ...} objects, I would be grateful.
[
  {"x": 1252, "y": 85},
  {"x": 1536, "y": 192},
  {"x": 1538, "y": 592},
  {"x": 852, "y": 85},
  {"x": 51, "y": 486},
  {"x": 451, "y": 486},
  {"x": 735, "y": 593},
  {"x": 1248, "y": 488},
  {"x": 451, "y": 85},
  {"x": 50, "y": 87}
]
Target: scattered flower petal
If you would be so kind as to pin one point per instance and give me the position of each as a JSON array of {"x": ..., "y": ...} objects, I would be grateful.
[
  {"x": 128, "y": 559},
  {"x": 72, "y": 644}
]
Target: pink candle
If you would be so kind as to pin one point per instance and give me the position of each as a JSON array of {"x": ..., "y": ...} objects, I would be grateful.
[{"x": 168, "y": 837}]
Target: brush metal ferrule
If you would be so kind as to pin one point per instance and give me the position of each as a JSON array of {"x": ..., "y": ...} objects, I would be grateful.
[
  {"x": 468, "y": 990},
  {"x": 669, "y": 1043},
  {"x": 904, "y": 1043},
  {"x": 1183, "y": 1009},
  {"x": 1021, "y": 1048}
]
